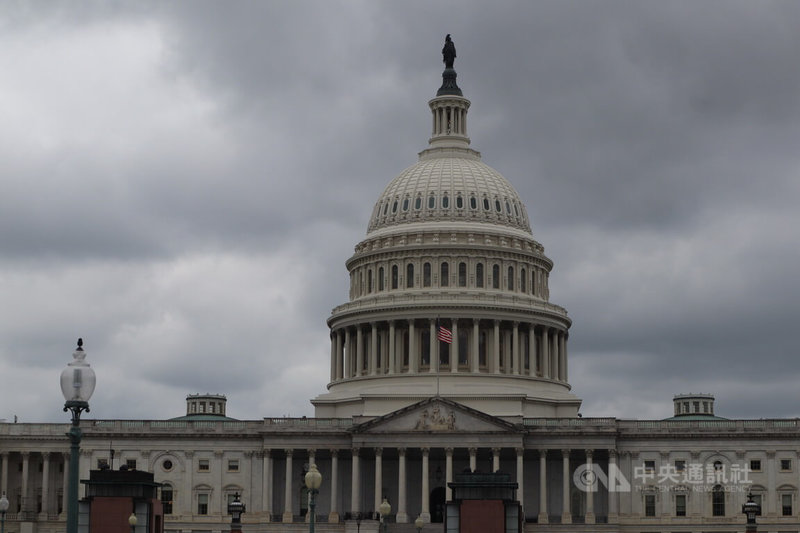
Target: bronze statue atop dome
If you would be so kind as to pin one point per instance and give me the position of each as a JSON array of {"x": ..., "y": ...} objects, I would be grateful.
[{"x": 448, "y": 52}]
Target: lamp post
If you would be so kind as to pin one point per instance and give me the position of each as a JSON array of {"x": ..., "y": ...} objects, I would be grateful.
[
  {"x": 313, "y": 481},
  {"x": 3, "y": 509},
  {"x": 77, "y": 385},
  {"x": 418, "y": 523},
  {"x": 385, "y": 508},
  {"x": 236, "y": 509},
  {"x": 132, "y": 521},
  {"x": 751, "y": 509}
]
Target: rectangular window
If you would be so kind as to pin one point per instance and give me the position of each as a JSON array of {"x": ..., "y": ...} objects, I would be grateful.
[
  {"x": 131, "y": 464},
  {"x": 649, "y": 504},
  {"x": 718, "y": 502},
  {"x": 233, "y": 465},
  {"x": 786, "y": 465},
  {"x": 650, "y": 467},
  {"x": 755, "y": 465},
  {"x": 202, "y": 504},
  {"x": 202, "y": 465},
  {"x": 166, "y": 499},
  {"x": 786, "y": 504},
  {"x": 680, "y": 465},
  {"x": 680, "y": 505}
]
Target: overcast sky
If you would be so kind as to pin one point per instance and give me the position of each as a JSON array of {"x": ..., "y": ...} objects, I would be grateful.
[{"x": 181, "y": 183}]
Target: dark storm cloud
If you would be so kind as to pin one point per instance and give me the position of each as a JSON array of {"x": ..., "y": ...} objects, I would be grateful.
[{"x": 191, "y": 177}]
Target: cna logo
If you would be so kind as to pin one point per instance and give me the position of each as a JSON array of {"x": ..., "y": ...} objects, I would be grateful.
[{"x": 589, "y": 477}]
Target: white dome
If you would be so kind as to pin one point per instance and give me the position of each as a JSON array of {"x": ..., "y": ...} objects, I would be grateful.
[{"x": 448, "y": 186}]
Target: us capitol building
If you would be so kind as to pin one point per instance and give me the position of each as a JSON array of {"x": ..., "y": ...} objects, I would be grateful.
[{"x": 449, "y": 356}]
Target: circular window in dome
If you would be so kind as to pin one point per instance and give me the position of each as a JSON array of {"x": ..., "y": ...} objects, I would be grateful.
[
  {"x": 166, "y": 465},
  {"x": 460, "y": 202},
  {"x": 473, "y": 202},
  {"x": 445, "y": 202}
]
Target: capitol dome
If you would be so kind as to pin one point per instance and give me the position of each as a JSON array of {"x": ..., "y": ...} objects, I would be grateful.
[{"x": 449, "y": 292}]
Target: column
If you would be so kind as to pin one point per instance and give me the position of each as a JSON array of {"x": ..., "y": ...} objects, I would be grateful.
[
  {"x": 454, "y": 347},
  {"x": 554, "y": 354},
  {"x": 333, "y": 357},
  {"x": 312, "y": 460},
  {"x": 475, "y": 363},
  {"x": 402, "y": 512},
  {"x": 65, "y": 488},
  {"x": 413, "y": 356},
  {"x": 545, "y": 353},
  {"x": 448, "y": 473},
  {"x": 565, "y": 366},
  {"x": 426, "y": 494},
  {"x": 613, "y": 496},
  {"x": 378, "y": 477},
  {"x": 434, "y": 351},
  {"x": 333, "y": 516},
  {"x": 373, "y": 350},
  {"x": 506, "y": 355},
  {"x": 543, "y": 518},
  {"x": 4, "y": 473},
  {"x": 266, "y": 467},
  {"x": 532, "y": 349},
  {"x": 288, "y": 506},
  {"x": 359, "y": 351},
  {"x": 590, "y": 493},
  {"x": 45, "y": 483},
  {"x": 521, "y": 479},
  {"x": 392, "y": 364},
  {"x": 770, "y": 509},
  {"x": 355, "y": 484},
  {"x": 562, "y": 362},
  {"x": 516, "y": 362},
  {"x": 495, "y": 459},
  {"x": 496, "y": 348},
  {"x": 26, "y": 456},
  {"x": 339, "y": 368},
  {"x": 473, "y": 458},
  {"x": 348, "y": 354},
  {"x": 566, "y": 515}
]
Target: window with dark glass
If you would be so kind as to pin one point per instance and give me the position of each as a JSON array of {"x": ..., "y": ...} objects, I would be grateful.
[
  {"x": 482, "y": 348},
  {"x": 495, "y": 276},
  {"x": 202, "y": 504},
  {"x": 459, "y": 202},
  {"x": 463, "y": 347},
  {"x": 369, "y": 280},
  {"x": 462, "y": 274},
  {"x": 444, "y": 275},
  {"x": 786, "y": 504},
  {"x": 497, "y": 205},
  {"x": 485, "y": 204},
  {"x": 394, "y": 276},
  {"x": 203, "y": 465},
  {"x": 508, "y": 208},
  {"x": 166, "y": 498},
  {"x": 431, "y": 202},
  {"x": 786, "y": 465},
  {"x": 394, "y": 207},
  {"x": 405, "y": 204},
  {"x": 718, "y": 501},
  {"x": 425, "y": 347},
  {"x": 680, "y": 505},
  {"x": 479, "y": 275},
  {"x": 445, "y": 201},
  {"x": 409, "y": 275},
  {"x": 380, "y": 279},
  {"x": 418, "y": 202},
  {"x": 385, "y": 208},
  {"x": 473, "y": 202},
  {"x": 755, "y": 465},
  {"x": 510, "y": 281},
  {"x": 233, "y": 465},
  {"x": 523, "y": 283},
  {"x": 426, "y": 275},
  {"x": 649, "y": 504}
]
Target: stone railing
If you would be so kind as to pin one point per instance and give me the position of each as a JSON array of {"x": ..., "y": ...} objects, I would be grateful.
[{"x": 785, "y": 424}]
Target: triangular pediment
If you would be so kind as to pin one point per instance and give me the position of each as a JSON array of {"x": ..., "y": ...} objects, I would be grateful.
[{"x": 435, "y": 415}]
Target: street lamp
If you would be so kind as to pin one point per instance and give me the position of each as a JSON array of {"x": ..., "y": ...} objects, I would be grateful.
[
  {"x": 313, "y": 481},
  {"x": 3, "y": 509},
  {"x": 418, "y": 523},
  {"x": 132, "y": 521},
  {"x": 385, "y": 508},
  {"x": 750, "y": 510},
  {"x": 77, "y": 385},
  {"x": 236, "y": 509}
]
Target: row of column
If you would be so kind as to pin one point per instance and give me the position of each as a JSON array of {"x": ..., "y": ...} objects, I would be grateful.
[
  {"x": 449, "y": 119},
  {"x": 20, "y": 499},
  {"x": 543, "y": 354}
]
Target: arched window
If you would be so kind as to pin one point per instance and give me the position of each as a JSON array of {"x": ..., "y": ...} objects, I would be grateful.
[
  {"x": 523, "y": 283},
  {"x": 394, "y": 276},
  {"x": 426, "y": 275},
  {"x": 495, "y": 276},
  {"x": 431, "y": 201},
  {"x": 473, "y": 202},
  {"x": 405, "y": 204},
  {"x": 485, "y": 204},
  {"x": 496, "y": 205},
  {"x": 479, "y": 275},
  {"x": 166, "y": 498},
  {"x": 445, "y": 202},
  {"x": 385, "y": 208},
  {"x": 508, "y": 208},
  {"x": 409, "y": 275},
  {"x": 394, "y": 207},
  {"x": 369, "y": 280},
  {"x": 418, "y": 203},
  {"x": 510, "y": 280},
  {"x": 462, "y": 274},
  {"x": 380, "y": 279},
  {"x": 718, "y": 501},
  {"x": 444, "y": 275},
  {"x": 459, "y": 202}
]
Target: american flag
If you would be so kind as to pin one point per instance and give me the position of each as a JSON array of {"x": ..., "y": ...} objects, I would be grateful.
[{"x": 445, "y": 335}]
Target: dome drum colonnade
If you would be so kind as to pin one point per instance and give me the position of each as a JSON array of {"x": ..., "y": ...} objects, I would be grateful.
[{"x": 449, "y": 244}]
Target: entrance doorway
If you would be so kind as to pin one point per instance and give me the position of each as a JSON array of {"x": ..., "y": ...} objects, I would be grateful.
[{"x": 438, "y": 496}]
